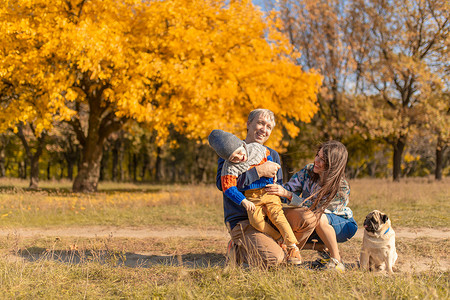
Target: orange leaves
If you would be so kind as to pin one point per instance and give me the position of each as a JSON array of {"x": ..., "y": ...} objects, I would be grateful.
[{"x": 193, "y": 65}]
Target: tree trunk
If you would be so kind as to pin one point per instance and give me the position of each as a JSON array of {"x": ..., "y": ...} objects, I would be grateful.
[
  {"x": 439, "y": 159},
  {"x": 70, "y": 164},
  {"x": 121, "y": 168},
  {"x": 372, "y": 168},
  {"x": 172, "y": 170},
  {"x": 72, "y": 157},
  {"x": 130, "y": 166},
  {"x": 2, "y": 162},
  {"x": 102, "y": 122},
  {"x": 4, "y": 141},
  {"x": 104, "y": 165},
  {"x": 203, "y": 159},
  {"x": 399, "y": 146},
  {"x": 158, "y": 165},
  {"x": 61, "y": 169},
  {"x": 32, "y": 158},
  {"x": 440, "y": 149},
  {"x": 115, "y": 159},
  {"x": 49, "y": 165},
  {"x": 34, "y": 170},
  {"x": 92, "y": 151},
  {"x": 89, "y": 172},
  {"x": 134, "y": 166},
  {"x": 22, "y": 169},
  {"x": 145, "y": 165}
]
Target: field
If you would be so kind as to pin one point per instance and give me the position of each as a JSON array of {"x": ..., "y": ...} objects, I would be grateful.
[{"x": 148, "y": 241}]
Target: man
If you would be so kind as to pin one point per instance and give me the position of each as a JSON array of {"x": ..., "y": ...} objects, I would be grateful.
[{"x": 248, "y": 244}]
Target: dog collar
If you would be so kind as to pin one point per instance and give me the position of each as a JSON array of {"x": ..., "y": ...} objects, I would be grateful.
[{"x": 387, "y": 230}]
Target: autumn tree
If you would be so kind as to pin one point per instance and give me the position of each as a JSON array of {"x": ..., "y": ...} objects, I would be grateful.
[
  {"x": 27, "y": 103},
  {"x": 32, "y": 135},
  {"x": 318, "y": 30},
  {"x": 435, "y": 120},
  {"x": 406, "y": 46},
  {"x": 28, "y": 136},
  {"x": 5, "y": 141},
  {"x": 188, "y": 65},
  {"x": 392, "y": 49}
]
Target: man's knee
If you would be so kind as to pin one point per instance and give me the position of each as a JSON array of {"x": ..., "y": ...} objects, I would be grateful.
[
  {"x": 254, "y": 246},
  {"x": 275, "y": 258},
  {"x": 257, "y": 257}
]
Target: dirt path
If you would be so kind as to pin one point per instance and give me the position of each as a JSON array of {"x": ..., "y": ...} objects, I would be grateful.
[
  {"x": 152, "y": 232},
  {"x": 144, "y": 259}
]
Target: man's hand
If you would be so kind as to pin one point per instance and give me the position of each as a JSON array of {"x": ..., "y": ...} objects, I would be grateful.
[
  {"x": 268, "y": 169},
  {"x": 249, "y": 206}
]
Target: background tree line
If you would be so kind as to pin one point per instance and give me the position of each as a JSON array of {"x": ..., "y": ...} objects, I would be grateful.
[
  {"x": 135, "y": 157},
  {"x": 128, "y": 157},
  {"x": 140, "y": 111}
]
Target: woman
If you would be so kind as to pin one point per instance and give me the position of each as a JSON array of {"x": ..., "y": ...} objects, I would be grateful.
[{"x": 321, "y": 187}]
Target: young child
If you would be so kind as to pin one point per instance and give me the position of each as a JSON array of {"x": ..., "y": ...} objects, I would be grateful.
[{"x": 240, "y": 157}]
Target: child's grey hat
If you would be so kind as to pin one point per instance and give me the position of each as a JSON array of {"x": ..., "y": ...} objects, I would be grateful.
[{"x": 224, "y": 143}]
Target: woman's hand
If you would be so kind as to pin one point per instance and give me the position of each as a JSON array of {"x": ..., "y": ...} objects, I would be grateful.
[
  {"x": 249, "y": 206},
  {"x": 278, "y": 190}
]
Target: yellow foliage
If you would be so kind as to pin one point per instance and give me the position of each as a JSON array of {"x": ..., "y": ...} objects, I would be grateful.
[
  {"x": 410, "y": 158},
  {"x": 196, "y": 65}
]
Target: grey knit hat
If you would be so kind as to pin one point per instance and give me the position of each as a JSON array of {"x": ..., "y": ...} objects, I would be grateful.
[{"x": 224, "y": 143}]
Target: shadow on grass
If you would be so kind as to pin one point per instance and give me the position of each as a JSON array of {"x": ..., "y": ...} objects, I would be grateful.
[
  {"x": 128, "y": 259},
  {"x": 134, "y": 260}
]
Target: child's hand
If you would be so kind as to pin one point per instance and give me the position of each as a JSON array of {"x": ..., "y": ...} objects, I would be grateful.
[
  {"x": 249, "y": 206},
  {"x": 275, "y": 179}
]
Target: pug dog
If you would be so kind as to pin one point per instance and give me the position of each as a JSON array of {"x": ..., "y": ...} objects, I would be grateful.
[{"x": 378, "y": 251}]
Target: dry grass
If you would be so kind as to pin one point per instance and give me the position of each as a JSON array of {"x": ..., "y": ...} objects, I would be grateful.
[
  {"x": 412, "y": 203},
  {"x": 47, "y": 279},
  {"x": 198, "y": 206}
]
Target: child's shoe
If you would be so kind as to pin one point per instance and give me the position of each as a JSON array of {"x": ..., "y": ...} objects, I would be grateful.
[{"x": 293, "y": 256}]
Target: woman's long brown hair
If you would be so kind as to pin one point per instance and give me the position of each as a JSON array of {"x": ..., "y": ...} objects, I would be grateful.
[{"x": 335, "y": 156}]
